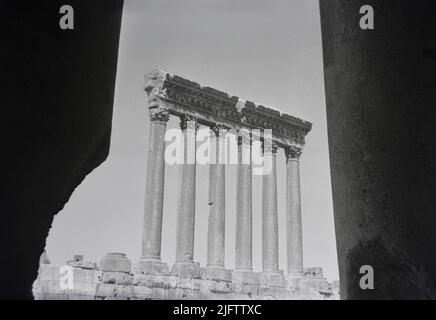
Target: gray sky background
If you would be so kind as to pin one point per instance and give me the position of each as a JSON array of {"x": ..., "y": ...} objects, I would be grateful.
[{"x": 267, "y": 52}]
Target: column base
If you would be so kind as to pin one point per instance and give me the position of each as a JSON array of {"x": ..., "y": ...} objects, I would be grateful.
[
  {"x": 295, "y": 281},
  {"x": 246, "y": 276},
  {"x": 151, "y": 267},
  {"x": 186, "y": 269},
  {"x": 218, "y": 273},
  {"x": 272, "y": 279}
]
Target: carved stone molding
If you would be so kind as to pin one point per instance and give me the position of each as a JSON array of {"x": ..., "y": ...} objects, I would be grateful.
[{"x": 210, "y": 106}]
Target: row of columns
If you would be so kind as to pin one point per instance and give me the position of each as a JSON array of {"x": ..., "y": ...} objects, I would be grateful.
[{"x": 152, "y": 235}]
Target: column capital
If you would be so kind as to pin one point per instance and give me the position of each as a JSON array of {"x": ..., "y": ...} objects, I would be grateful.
[
  {"x": 220, "y": 130},
  {"x": 293, "y": 153},
  {"x": 159, "y": 115},
  {"x": 188, "y": 122}
]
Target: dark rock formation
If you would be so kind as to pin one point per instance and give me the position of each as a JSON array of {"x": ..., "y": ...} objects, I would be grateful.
[
  {"x": 56, "y": 111},
  {"x": 381, "y": 109}
]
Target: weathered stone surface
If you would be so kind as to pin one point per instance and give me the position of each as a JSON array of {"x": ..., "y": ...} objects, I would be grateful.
[
  {"x": 246, "y": 277},
  {"x": 119, "y": 285},
  {"x": 152, "y": 281},
  {"x": 82, "y": 264},
  {"x": 293, "y": 282},
  {"x": 83, "y": 275},
  {"x": 275, "y": 292},
  {"x": 117, "y": 278},
  {"x": 245, "y": 289},
  {"x": 189, "y": 270},
  {"x": 216, "y": 273},
  {"x": 151, "y": 267},
  {"x": 271, "y": 279},
  {"x": 115, "y": 262},
  {"x": 223, "y": 287},
  {"x": 114, "y": 290},
  {"x": 162, "y": 86},
  {"x": 142, "y": 292}
]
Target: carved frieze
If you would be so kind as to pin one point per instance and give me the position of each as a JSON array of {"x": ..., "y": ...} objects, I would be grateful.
[{"x": 209, "y": 105}]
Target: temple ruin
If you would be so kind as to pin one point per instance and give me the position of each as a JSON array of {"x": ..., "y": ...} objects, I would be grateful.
[{"x": 151, "y": 278}]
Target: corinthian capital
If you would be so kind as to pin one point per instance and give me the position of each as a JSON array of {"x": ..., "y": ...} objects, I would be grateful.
[
  {"x": 159, "y": 115},
  {"x": 293, "y": 153},
  {"x": 188, "y": 122},
  {"x": 219, "y": 130}
]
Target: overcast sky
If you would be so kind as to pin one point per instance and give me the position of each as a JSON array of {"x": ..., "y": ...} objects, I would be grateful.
[{"x": 265, "y": 51}]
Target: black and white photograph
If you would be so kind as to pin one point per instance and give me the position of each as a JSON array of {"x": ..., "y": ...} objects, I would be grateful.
[{"x": 219, "y": 150}]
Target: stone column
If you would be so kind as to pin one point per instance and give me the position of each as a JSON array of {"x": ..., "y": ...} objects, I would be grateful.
[
  {"x": 244, "y": 213},
  {"x": 217, "y": 205},
  {"x": 293, "y": 209},
  {"x": 184, "y": 265},
  {"x": 271, "y": 275},
  {"x": 150, "y": 261}
]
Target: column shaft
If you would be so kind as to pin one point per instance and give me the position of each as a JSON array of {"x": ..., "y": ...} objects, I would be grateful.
[
  {"x": 154, "y": 189},
  {"x": 244, "y": 215},
  {"x": 186, "y": 196},
  {"x": 217, "y": 204},
  {"x": 293, "y": 208},
  {"x": 270, "y": 258}
]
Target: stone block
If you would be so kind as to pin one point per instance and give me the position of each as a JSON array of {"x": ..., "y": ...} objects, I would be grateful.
[
  {"x": 98, "y": 276},
  {"x": 106, "y": 290},
  {"x": 185, "y": 283},
  {"x": 184, "y": 294},
  {"x": 82, "y": 264},
  {"x": 245, "y": 276},
  {"x": 85, "y": 288},
  {"x": 275, "y": 292},
  {"x": 207, "y": 285},
  {"x": 151, "y": 281},
  {"x": 245, "y": 289},
  {"x": 83, "y": 275},
  {"x": 113, "y": 290},
  {"x": 223, "y": 287},
  {"x": 117, "y": 278},
  {"x": 216, "y": 273},
  {"x": 115, "y": 262},
  {"x": 295, "y": 283},
  {"x": 142, "y": 292},
  {"x": 173, "y": 281},
  {"x": 272, "y": 279},
  {"x": 186, "y": 270},
  {"x": 46, "y": 272},
  {"x": 150, "y": 267},
  {"x": 196, "y": 283},
  {"x": 159, "y": 294}
]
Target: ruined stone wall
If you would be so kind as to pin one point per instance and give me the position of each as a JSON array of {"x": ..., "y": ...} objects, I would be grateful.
[{"x": 116, "y": 282}]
